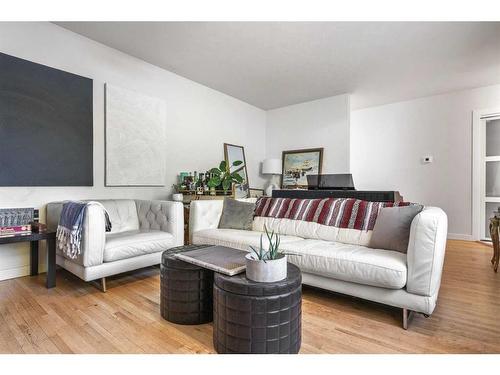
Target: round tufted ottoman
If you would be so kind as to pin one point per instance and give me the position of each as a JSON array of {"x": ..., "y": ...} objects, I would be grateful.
[
  {"x": 251, "y": 317},
  {"x": 185, "y": 289}
]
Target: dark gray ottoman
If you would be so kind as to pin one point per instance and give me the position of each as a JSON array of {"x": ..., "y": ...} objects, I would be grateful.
[
  {"x": 186, "y": 289},
  {"x": 252, "y": 317}
]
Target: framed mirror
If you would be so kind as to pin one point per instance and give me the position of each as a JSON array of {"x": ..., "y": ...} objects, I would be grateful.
[{"x": 234, "y": 153}]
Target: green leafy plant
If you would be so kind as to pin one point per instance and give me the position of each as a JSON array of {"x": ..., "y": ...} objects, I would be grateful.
[
  {"x": 273, "y": 250},
  {"x": 223, "y": 176},
  {"x": 261, "y": 254}
]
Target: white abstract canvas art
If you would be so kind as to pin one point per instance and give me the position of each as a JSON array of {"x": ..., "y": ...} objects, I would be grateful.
[{"x": 135, "y": 138}]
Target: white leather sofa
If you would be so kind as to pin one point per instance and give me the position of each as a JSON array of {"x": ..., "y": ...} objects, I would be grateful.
[
  {"x": 339, "y": 259},
  {"x": 141, "y": 230}
]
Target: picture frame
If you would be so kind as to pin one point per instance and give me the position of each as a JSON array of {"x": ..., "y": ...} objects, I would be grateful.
[
  {"x": 135, "y": 138},
  {"x": 233, "y": 153},
  {"x": 256, "y": 193},
  {"x": 297, "y": 164},
  {"x": 46, "y": 126}
]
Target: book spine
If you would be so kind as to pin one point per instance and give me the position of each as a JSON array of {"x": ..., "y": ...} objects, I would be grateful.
[
  {"x": 16, "y": 228},
  {"x": 8, "y": 234}
]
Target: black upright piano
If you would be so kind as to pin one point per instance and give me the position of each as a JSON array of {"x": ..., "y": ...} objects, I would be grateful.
[{"x": 336, "y": 186}]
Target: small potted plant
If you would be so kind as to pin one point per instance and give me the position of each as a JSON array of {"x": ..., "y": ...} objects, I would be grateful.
[
  {"x": 223, "y": 176},
  {"x": 267, "y": 265}
]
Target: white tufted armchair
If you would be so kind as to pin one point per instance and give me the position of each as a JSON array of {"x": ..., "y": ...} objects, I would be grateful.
[{"x": 141, "y": 231}]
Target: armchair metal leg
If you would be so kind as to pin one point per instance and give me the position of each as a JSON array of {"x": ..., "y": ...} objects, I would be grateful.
[
  {"x": 407, "y": 316},
  {"x": 100, "y": 284},
  {"x": 103, "y": 284}
]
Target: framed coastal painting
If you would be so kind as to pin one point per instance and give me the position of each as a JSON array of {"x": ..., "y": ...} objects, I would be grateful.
[
  {"x": 234, "y": 153},
  {"x": 297, "y": 164}
]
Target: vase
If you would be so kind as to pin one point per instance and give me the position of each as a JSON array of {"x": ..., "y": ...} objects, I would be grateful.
[
  {"x": 265, "y": 272},
  {"x": 177, "y": 197}
]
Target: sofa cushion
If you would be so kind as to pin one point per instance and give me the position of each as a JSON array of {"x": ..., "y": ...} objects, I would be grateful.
[
  {"x": 353, "y": 263},
  {"x": 236, "y": 238},
  {"x": 392, "y": 229},
  {"x": 236, "y": 215},
  {"x": 122, "y": 214},
  {"x": 348, "y": 219},
  {"x": 134, "y": 243},
  {"x": 312, "y": 230}
]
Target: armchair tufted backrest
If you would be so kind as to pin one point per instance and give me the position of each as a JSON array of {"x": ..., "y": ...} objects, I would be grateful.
[
  {"x": 153, "y": 215},
  {"x": 122, "y": 214}
]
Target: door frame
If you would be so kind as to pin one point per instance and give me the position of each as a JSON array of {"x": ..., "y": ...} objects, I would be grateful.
[{"x": 479, "y": 118}]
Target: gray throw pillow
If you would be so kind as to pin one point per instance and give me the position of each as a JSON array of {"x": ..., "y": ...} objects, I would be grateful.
[
  {"x": 237, "y": 215},
  {"x": 392, "y": 228}
]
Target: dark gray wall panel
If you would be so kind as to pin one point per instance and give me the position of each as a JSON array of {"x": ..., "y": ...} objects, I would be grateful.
[{"x": 46, "y": 126}]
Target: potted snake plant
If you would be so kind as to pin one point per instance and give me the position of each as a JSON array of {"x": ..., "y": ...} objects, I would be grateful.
[{"x": 267, "y": 265}]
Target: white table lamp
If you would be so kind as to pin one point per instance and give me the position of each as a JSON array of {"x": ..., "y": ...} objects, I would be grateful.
[{"x": 272, "y": 167}]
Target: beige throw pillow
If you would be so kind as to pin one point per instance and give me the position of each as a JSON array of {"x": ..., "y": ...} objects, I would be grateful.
[
  {"x": 392, "y": 228},
  {"x": 237, "y": 215}
]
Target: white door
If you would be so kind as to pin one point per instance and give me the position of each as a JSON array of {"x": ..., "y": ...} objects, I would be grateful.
[{"x": 486, "y": 178}]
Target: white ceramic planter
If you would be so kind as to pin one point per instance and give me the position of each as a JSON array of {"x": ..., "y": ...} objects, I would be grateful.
[
  {"x": 265, "y": 272},
  {"x": 177, "y": 197}
]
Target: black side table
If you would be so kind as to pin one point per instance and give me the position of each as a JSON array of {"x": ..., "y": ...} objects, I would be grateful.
[
  {"x": 185, "y": 289},
  {"x": 33, "y": 239},
  {"x": 251, "y": 317}
]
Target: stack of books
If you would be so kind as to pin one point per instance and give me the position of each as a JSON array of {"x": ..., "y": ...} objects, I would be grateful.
[{"x": 17, "y": 221}]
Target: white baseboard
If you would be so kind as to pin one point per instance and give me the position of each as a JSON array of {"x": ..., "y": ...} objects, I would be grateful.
[
  {"x": 458, "y": 236},
  {"x": 12, "y": 273}
]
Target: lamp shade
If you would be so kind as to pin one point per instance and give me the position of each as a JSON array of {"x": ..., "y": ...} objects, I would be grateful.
[{"x": 271, "y": 166}]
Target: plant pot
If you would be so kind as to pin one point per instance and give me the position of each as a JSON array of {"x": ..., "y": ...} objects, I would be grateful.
[
  {"x": 265, "y": 272},
  {"x": 177, "y": 197},
  {"x": 212, "y": 191}
]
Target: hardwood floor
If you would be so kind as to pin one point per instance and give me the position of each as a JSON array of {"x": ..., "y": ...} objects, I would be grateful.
[{"x": 75, "y": 317}]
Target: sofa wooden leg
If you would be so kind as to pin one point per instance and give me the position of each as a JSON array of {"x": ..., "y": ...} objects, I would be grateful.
[
  {"x": 407, "y": 316},
  {"x": 103, "y": 285}
]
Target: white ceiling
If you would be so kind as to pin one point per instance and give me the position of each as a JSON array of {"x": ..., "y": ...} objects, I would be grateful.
[{"x": 274, "y": 64}]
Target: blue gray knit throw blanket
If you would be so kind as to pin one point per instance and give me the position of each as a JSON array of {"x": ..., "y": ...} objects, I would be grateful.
[{"x": 69, "y": 230}]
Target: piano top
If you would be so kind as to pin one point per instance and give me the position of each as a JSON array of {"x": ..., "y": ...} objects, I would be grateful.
[{"x": 366, "y": 195}]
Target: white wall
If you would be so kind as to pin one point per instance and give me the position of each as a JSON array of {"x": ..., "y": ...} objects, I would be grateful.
[
  {"x": 382, "y": 148},
  {"x": 388, "y": 142},
  {"x": 319, "y": 123},
  {"x": 200, "y": 120}
]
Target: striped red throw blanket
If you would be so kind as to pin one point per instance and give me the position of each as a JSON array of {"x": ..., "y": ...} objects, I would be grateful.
[{"x": 342, "y": 213}]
